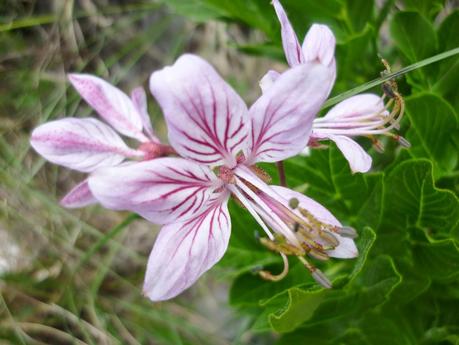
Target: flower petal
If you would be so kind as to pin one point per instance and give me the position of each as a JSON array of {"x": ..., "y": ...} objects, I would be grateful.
[
  {"x": 162, "y": 190},
  {"x": 282, "y": 117},
  {"x": 79, "y": 196},
  {"x": 113, "y": 105},
  {"x": 80, "y": 144},
  {"x": 139, "y": 100},
  {"x": 268, "y": 80},
  {"x": 292, "y": 48},
  {"x": 319, "y": 45},
  {"x": 357, "y": 106},
  {"x": 184, "y": 251},
  {"x": 358, "y": 159},
  {"x": 205, "y": 117},
  {"x": 347, "y": 248}
]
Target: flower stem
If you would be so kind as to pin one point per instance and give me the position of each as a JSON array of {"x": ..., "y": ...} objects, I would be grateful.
[{"x": 281, "y": 170}]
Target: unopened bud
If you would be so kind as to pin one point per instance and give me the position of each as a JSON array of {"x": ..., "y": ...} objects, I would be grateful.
[
  {"x": 321, "y": 278},
  {"x": 347, "y": 231}
]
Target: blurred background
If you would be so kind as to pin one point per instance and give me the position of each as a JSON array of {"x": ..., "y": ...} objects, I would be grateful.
[
  {"x": 68, "y": 278},
  {"x": 75, "y": 276}
]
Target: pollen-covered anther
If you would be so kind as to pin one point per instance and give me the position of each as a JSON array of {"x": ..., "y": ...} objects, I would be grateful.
[
  {"x": 346, "y": 231},
  {"x": 293, "y": 203},
  {"x": 377, "y": 144},
  {"x": 317, "y": 274},
  {"x": 402, "y": 141},
  {"x": 263, "y": 175},
  {"x": 318, "y": 254}
]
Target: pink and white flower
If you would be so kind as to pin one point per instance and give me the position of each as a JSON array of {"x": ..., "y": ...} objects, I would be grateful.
[
  {"x": 88, "y": 144},
  {"x": 220, "y": 140},
  {"x": 361, "y": 115}
]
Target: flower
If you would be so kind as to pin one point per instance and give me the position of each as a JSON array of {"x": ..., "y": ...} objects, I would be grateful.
[
  {"x": 87, "y": 144},
  {"x": 361, "y": 115},
  {"x": 220, "y": 140}
]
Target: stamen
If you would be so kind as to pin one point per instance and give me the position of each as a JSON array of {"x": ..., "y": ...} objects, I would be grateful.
[
  {"x": 249, "y": 208},
  {"x": 276, "y": 277},
  {"x": 317, "y": 254},
  {"x": 377, "y": 145},
  {"x": 346, "y": 231},
  {"x": 263, "y": 175},
  {"x": 317, "y": 274},
  {"x": 321, "y": 278},
  {"x": 402, "y": 141},
  {"x": 329, "y": 238}
]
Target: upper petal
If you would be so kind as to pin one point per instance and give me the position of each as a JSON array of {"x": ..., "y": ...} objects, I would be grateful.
[
  {"x": 347, "y": 247},
  {"x": 319, "y": 45},
  {"x": 358, "y": 159},
  {"x": 185, "y": 250},
  {"x": 162, "y": 190},
  {"x": 79, "y": 196},
  {"x": 206, "y": 119},
  {"x": 139, "y": 100},
  {"x": 268, "y": 80},
  {"x": 357, "y": 106},
  {"x": 80, "y": 144},
  {"x": 281, "y": 119},
  {"x": 292, "y": 48},
  {"x": 113, "y": 105}
]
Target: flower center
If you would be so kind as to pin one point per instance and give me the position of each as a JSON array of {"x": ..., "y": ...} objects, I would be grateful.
[{"x": 153, "y": 150}]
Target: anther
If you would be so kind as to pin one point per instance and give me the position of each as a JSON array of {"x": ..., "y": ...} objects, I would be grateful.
[
  {"x": 377, "y": 145},
  {"x": 402, "y": 141},
  {"x": 346, "y": 231},
  {"x": 317, "y": 254},
  {"x": 322, "y": 279},
  {"x": 329, "y": 238},
  {"x": 317, "y": 274},
  {"x": 293, "y": 203}
]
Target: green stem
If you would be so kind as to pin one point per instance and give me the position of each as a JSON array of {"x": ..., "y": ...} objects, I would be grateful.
[{"x": 379, "y": 81}]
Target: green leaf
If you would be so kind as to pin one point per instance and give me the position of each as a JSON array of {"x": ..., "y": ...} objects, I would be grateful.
[
  {"x": 438, "y": 259},
  {"x": 300, "y": 307},
  {"x": 428, "y": 8},
  {"x": 446, "y": 82},
  {"x": 413, "y": 203},
  {"x": 284, "y": 303},
  {"x": 433, "y": 124},
  {"x": 359, "y": 13},
  {"x": 414, "y": 35}
]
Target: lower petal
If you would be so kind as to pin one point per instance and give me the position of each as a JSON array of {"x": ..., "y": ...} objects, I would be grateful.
[
  {"x": 347, "y": 248},
  {"x": 162, "y": 190},
  {"x": 79, "y": 196},
  {"x": 185, "y": 250},
  {"x": 358, "y": 159}
]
